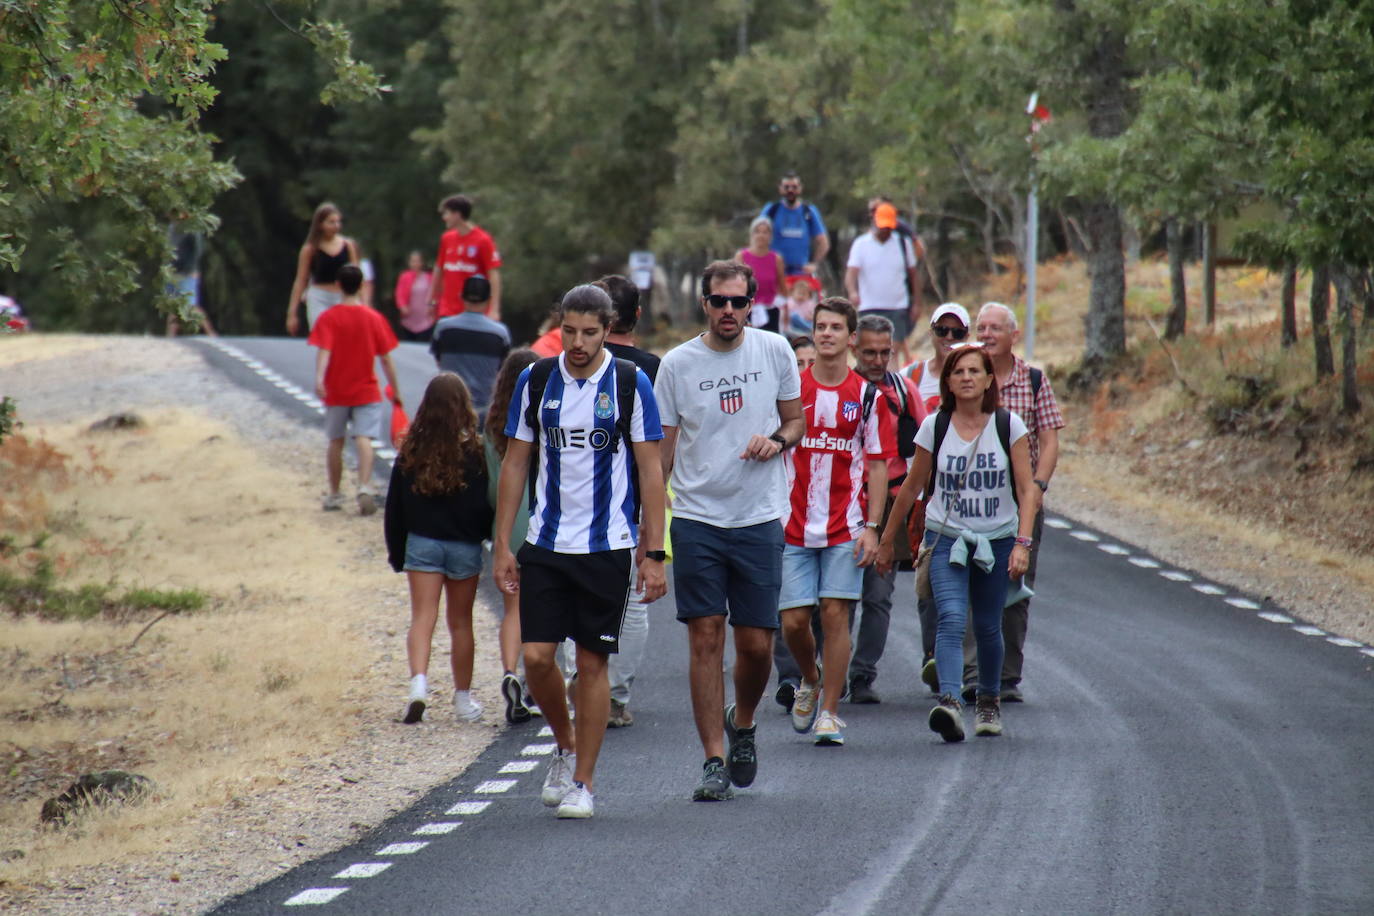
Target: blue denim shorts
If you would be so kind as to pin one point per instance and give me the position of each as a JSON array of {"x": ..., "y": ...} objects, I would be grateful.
[
  {"x": 812, "y": 573},
  {"x": 455, "y": 559},
  {"x": 727, "y": 571}
]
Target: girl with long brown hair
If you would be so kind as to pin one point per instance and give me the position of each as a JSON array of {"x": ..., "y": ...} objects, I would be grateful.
[
  {"x": 324, "y": 251},
  {"x": 437, "y": 515},
  {"x": 512, "y": 688}
]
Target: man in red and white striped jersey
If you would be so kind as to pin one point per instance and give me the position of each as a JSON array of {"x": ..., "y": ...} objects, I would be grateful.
[{"x": 838, "y": 485}]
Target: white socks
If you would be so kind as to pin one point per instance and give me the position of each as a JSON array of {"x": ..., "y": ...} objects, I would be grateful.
[{"x": 419, "y": 687}]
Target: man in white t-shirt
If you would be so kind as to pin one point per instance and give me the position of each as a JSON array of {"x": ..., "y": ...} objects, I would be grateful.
[
  {"x": 730, "y": 404},
  {"x": 949, "y": 326},
  {"x": 882, "y": 278}
]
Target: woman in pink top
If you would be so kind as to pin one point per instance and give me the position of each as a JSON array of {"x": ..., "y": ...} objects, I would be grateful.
[
  {"x": 412, "y": 299},
  {"x": 768, "y": 271}
]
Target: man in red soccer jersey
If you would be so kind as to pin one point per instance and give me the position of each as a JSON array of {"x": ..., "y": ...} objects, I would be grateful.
[
  {"x": 465, "y": 250},
  {"x": 351, "y": 336},
  {"x": 838, "y": 486}
]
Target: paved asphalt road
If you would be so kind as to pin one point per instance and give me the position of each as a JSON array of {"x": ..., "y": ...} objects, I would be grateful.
[{"x": 1184, "y": 748}]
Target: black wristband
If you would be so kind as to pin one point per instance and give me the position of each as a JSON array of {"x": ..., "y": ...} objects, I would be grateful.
[
  {"x": 782, "y": 443},
  {"x": 659, "y": 555}
]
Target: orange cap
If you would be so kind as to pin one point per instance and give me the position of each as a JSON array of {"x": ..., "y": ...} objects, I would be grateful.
[{"x": 885, "y": 216}]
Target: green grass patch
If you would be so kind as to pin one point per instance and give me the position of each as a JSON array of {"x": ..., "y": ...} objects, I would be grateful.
[{"x": 39, "y": 595}]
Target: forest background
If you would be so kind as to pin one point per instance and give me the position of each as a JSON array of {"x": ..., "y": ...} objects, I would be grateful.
[{"x": 588, "y": 129}]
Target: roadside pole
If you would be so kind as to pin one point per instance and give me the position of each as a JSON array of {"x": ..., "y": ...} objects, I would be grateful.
[{"x": 1039, "y": 117}]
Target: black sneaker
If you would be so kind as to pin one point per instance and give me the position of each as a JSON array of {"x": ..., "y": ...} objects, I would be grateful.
[
  {"x": 514, "y": 693},
  {"x": 715, "y": 784},
  {"x": 969, "y": 693},
  {"x": 861, "y": 691},
  {"x": 1011, "y": 693},
  {"x": 742, "y": 759},
  {"x": 787, "y": 693}
]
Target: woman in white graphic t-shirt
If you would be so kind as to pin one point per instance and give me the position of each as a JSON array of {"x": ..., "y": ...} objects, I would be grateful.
[{"x": 979, "y": 515}]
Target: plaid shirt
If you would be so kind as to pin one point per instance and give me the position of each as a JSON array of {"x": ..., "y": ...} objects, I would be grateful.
[{"x": 1039, "y": 413}]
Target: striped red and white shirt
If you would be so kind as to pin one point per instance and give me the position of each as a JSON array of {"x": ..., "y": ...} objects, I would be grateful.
[{"x": 827, "y": 470}]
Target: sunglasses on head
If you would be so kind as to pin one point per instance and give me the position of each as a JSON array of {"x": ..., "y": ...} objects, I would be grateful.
[
  {"x": 738, "y": 303},
  {"x": 943, "y": 331}
]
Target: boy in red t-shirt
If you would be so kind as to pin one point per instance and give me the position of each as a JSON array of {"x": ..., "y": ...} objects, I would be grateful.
[{"x": 350, "y": 337}]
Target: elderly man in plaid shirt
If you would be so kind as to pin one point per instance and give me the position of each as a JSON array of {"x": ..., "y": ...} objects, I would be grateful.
[{"x": 1027, "y": 392}]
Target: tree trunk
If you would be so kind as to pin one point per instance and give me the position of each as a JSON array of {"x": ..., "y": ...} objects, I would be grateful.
[
  {"x": 1321, "y": 334},
  {"x": 1209, "y": 274},
  {"x": 1367, "y": 294},
  {"x": 1345, "y": 319},
  {"x": 942, "y": 254},
  {"x": 1177, "y": 320},
  {"x": 1288, "y": 306},
  {"x": 1104, "y": 73}
]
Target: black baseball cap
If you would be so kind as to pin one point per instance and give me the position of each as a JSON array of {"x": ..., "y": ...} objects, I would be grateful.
[{"x": 476, "y": 289}]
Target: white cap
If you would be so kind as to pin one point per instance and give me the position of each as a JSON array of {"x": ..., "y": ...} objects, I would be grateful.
[{"x": 950, "y": 308}]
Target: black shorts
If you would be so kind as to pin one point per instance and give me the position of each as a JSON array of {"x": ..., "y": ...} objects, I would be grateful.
[{"x": 581, "y": 596}]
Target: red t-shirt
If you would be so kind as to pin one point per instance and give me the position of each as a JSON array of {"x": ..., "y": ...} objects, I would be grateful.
[
  {"x": 355, "y": 336},
  {"x": 460, "y": 257},
  {"x": 828, "y": 468}
]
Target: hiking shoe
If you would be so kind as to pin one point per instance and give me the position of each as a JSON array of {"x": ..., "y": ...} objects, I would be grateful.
[
  {"x": 804, "y": 708},
  {"x": 969, "y": 693},
  {"x": 367, "y": 501},
  {"x": 1011, "y": 693},
  {"x": 577, "y": 803},
  {"x": 947, "y": 719},
  {"x": 742, "y": 758},
  {"x": 620, "y": 715},
  {"x": 466, "y": 708},
  {"x": 558, "y": 781},
  {"x": 787, "y": 692},
  {"x": 715, "y": 783},
  {"x": 930, "y": 676},
  {"x": 514, "y": 694},
  {"x": 861, "y": 691},
  {"x": 987, "y": 720},
  {"x": 333, "y": 502},
  {"x": 829, "y": 730}
]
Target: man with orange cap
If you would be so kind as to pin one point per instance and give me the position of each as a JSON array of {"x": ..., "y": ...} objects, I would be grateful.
[{"x": 882, "y": 279}]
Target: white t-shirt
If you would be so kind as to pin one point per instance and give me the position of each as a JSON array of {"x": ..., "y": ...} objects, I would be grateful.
[
  {"x": 929, "y": 385},
  {"x": 974, "y": 486},
  {"x": 882, "y": 273},
  {"x": 718, "y": 401}
]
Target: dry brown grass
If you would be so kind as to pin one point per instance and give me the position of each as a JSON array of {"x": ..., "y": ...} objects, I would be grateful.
[{"x": 212, "y": 705}]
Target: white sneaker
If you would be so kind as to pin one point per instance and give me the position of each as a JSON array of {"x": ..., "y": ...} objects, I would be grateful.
[
  {"x": 466, "y": 708},
  {"x": 804, "y": 707},
  {"x": 333, "y": 502},
  {"x": 367, "y": 501},
  {"x": 577, "y": 803},
  {"x": 558, "y": 780},
  {"x": 415, "y": 703},
  {"x": 829, "y": 729}
]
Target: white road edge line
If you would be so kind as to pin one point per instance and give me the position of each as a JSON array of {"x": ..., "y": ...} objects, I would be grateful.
[
  {"x": 537, "y": 750},
  {"x": 1344, "y": 642},
  {"x": 1115, "y": 550},
  {"x": 1310, "y": 631},
  {"x": 400, "y": 849},
  {"x": 495, "y": 786},
  {"x": 1174, "y": 575},
  {"x": 1208, "y": 589},
  {"x": 315, "y": 895},
  {"x": 518, "y": 766},
  {"x": 364, "y": 870},
  {"x": 545, "y": 732},
  {"x": 1144, "y": 562},
  {"x": 436, "y": 829},
  {"x": 1275, "y": 618},
  {"x": 1084, "y": 536},
  {"x": 469, "y": 807},
  {"x": 1058, "y": 523},
  {"x": 1369, "y": 652},
  {"x": 1244, "y": 603}
]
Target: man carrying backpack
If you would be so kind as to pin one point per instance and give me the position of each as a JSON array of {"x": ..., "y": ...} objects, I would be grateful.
[
  {"x": 591, "y": 423},
  {"x": 1026, "y": 392},
  {"x": 873, "y": 351},
  {"x": 798, "y": 231}
]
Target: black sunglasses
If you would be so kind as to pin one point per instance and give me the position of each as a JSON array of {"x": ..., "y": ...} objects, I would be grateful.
[
  {"x": 956, "y": 333},
  {"x": 738, "y": 303}
]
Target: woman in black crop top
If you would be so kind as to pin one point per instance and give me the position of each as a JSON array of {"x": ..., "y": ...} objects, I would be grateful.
[{"x": 326, "y": 249}]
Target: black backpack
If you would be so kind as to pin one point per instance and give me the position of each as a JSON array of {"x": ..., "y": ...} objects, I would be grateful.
[{"x": 625, "y": 393}]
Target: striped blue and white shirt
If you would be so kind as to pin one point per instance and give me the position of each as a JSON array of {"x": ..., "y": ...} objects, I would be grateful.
[{"x": 584, "y": 496}]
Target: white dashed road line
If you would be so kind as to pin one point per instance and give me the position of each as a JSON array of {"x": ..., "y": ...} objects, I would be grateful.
[
  {"x": 364, "y": 870},
  {"x": 537, "y": 750},
  {"x": 1243, "y": 603},
  {"x": 1115, "y": 550},
  {"x": 401, "y": 849},
  {"x": 1310, "y": 631},
  {"x": 1144, "y": 562},
  {"x": 1209, "y": 589},
  {"x": 1275, "y": 618},
  {"x": 469, "y": 807},
  {"x": 438, "y": 829},
  {"x": 1084, "y": 536},
  {"x": 1174, "y": 575},
  {"x": 495, "y": 786},
  {"x": 519, "y": 766},
  {"x": 315, "y": 895}
]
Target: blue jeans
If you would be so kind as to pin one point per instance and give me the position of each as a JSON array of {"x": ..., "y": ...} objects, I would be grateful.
[{"x": 957, "y": 589}]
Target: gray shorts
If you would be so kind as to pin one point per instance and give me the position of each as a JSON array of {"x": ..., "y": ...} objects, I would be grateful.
[{"x": 366, "y": 419}]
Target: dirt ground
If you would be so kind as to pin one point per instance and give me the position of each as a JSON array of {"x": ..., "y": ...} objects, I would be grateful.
[{"x": 269, "y": 719}]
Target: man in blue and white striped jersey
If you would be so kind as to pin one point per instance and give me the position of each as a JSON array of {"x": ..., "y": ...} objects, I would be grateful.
[{"x": 573, "y": 572}]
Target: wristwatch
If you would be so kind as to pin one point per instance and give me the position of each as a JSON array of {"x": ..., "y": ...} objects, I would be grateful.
[
  {"x": 1042, "y": 485},
  {"x": 659, "y": 555},
  {"x": 876, "y": 526},
  {"x": 782, "y": 443}
]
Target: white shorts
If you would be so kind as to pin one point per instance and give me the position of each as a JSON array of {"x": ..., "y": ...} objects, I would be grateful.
[{"x": 318, "y": 301}]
